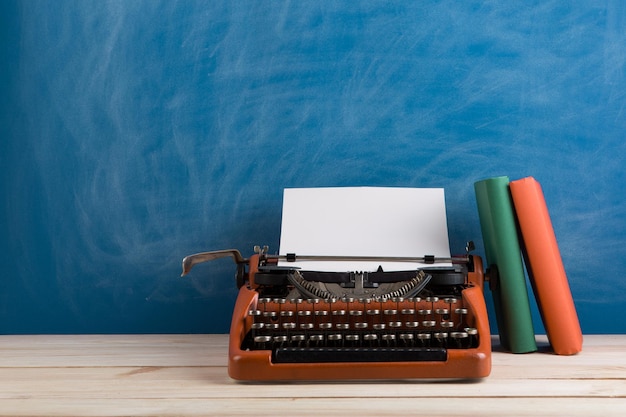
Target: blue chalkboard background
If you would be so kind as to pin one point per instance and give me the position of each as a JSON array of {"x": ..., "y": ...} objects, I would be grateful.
[{"x": 134, "y": 133}]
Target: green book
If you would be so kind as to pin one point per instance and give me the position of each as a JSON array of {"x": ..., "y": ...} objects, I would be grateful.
[{"x": 503, "y": 252}]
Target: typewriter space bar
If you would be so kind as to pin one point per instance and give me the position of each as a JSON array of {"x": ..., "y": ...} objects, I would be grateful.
[{"x": 358, "y": 354}]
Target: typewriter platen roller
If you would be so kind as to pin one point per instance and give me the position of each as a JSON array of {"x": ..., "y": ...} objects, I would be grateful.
[{"x": 290, "y": 324}]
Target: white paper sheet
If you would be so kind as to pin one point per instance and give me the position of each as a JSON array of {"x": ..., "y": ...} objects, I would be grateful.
[{"x": 364, "y": 221}]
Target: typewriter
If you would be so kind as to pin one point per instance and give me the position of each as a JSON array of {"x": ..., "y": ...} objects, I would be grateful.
[
  {"x": 292, "y": 324},
  {"x": 345, "y": 298}
]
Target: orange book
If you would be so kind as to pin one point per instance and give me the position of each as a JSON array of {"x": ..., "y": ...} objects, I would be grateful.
[{"x": 545, "y": 267}]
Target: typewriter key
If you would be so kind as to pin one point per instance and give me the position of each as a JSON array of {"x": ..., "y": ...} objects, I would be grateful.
[
  {"x": 447, "y": 324},
  {"x": 471, "y": 331},
  {"x": 271, "y": 326},
  {"x": 280, "y": 340},
  {"x": 296, "y": 301},
  {"x": 371, "y": 339},
  {"x": 442, "y": 311},
  {"x": 389, "y": 338},
  {"x": 262, "y": 341},
  {"x": 423, "y": 339},
  {"x": 306, "y": 326},
  {"x": 407, "y": 338},
  {"x": 256, "y": 327},
  {"x": 459, "y": 338},
  {"x": 459, "y": 335},
  {"x": 461, "y": 312},
  {"x": 441, "y": 337},
  {"x": 335, "y": 339},
  {"x": 316, "y": 339},
  {"x": 473, "y": 336},
  {"x": 398, "y": 301}
]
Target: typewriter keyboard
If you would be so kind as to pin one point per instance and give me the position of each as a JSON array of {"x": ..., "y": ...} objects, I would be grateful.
[{"x": 300, "y": 330}]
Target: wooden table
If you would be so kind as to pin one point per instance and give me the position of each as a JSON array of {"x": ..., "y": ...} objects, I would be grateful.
[{"x": 179, "y": 375}]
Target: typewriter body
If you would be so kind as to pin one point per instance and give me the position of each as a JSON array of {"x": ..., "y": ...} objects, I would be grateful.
[{"x": 293, "y": 324}]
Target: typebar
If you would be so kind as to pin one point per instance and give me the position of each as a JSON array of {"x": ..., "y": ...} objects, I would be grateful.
[{"x": 358, "y": 354}]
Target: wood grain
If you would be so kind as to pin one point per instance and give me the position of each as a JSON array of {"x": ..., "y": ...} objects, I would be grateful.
[{"x": 166, "y": 375}]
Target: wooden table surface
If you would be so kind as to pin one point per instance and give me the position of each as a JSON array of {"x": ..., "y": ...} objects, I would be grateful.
[{"x": 179, "y": 375}]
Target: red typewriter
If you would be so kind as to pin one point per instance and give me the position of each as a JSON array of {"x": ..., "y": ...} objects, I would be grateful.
[{"x": 294, "y": 324}]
